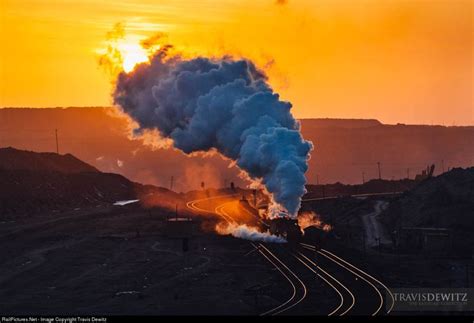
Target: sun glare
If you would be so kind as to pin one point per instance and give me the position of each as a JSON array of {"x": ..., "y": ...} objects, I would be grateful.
[{"x": 132, "y": 54}]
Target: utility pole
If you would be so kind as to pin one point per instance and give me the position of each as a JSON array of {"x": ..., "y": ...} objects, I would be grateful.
[
  {"x": 380, "y": 174},
  {"x": 408, "y": 173},
  {"x": 57, "y": 144},
  {"x": 171, "y": 183}
]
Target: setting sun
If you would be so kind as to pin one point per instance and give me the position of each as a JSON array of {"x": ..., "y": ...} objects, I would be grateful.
[
  {"x": 122, "y": 51},
  {"x": 132, "y": 54}
]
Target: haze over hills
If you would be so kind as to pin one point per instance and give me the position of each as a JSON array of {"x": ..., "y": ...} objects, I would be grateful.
[
  {"x": 341, "y": 123},
  {"x": 345, "y": 150}
]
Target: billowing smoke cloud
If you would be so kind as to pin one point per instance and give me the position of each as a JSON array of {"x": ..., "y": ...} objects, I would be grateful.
[{"x": 226, "y": 105}]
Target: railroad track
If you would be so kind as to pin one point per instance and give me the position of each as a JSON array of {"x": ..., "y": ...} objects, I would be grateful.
[
  {"x": 375, "y": 284},
  {"x": 346, "y": 297},
  {"x": 192, "y": 204},
  {"x": 297, "y": 286},
  {"x": 351, "y": 284},
  {"x": 299, "y": 290}
]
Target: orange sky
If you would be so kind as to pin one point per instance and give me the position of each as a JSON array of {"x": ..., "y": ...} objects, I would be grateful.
[{"x": 394, "y": 60}]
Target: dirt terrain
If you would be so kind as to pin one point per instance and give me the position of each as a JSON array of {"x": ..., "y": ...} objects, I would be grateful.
[
  {"x": 117, "y": 260},
  {"x": 91, "y": 257},
  {"x": 47, "y": 183}
]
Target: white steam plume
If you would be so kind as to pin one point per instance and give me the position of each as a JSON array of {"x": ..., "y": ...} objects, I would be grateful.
[
  {"x": 222, "y": 104},
  {"x": 243, "y": 231}
]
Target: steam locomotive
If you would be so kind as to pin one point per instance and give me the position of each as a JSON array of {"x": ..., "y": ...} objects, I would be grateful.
[{"x": 287, "y": 228}]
